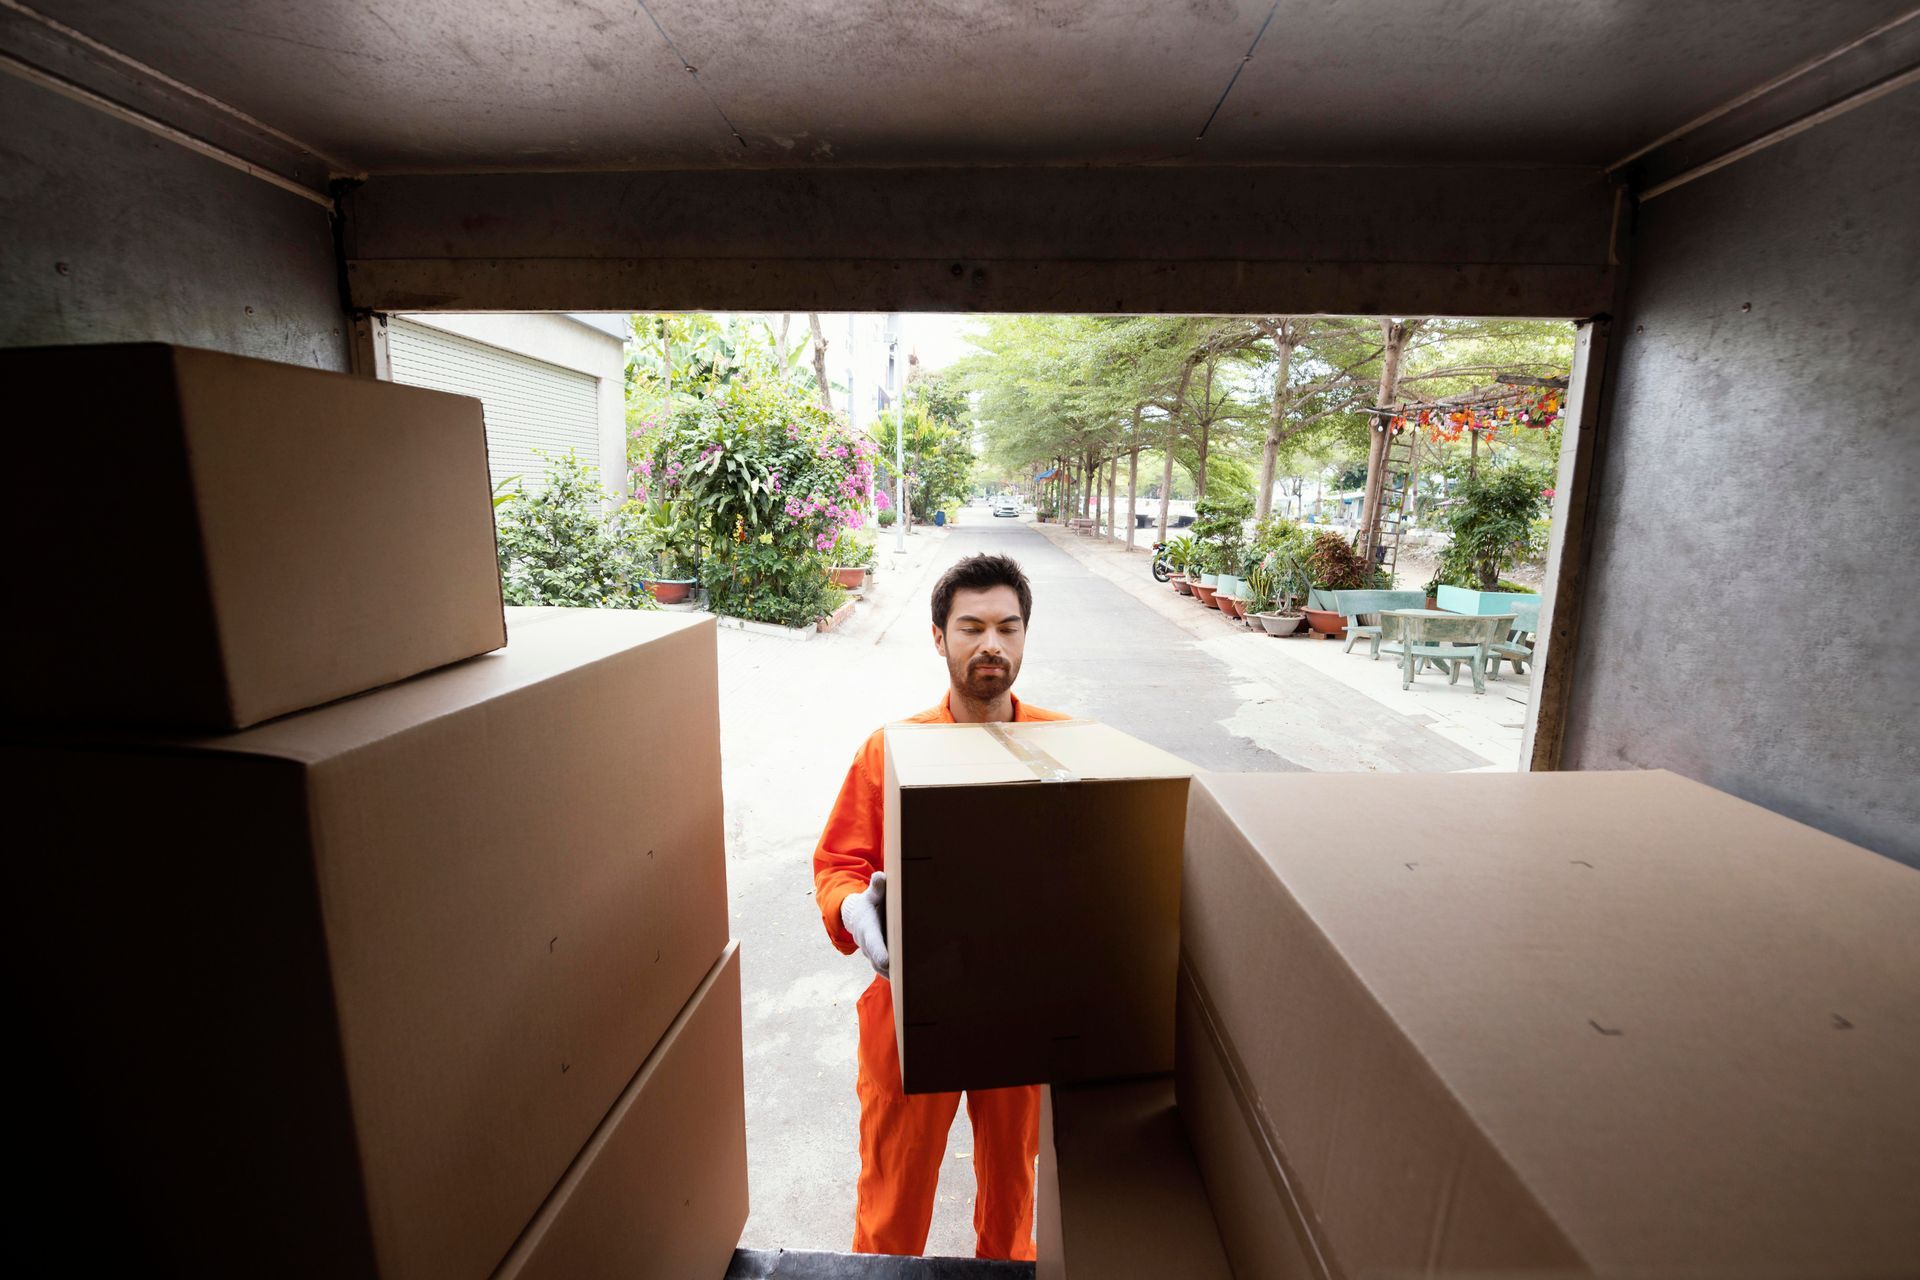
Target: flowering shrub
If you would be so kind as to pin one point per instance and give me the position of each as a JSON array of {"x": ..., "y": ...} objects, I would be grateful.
[{"x": 767, "y": 482}]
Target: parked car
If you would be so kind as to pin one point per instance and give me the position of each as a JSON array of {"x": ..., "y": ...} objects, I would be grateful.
[{"x": 1005, "y": 506}]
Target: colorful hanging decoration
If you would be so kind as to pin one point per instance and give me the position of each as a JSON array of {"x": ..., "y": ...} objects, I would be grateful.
[{"x": 1484, "y": 414}]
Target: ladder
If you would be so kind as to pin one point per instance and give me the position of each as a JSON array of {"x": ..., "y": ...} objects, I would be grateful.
[{"x": 1390, "y": 517}]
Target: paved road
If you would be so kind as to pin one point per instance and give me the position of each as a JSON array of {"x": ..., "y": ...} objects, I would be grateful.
[
  {"x": 1095, "y": 651},
  {"x": 792, "y": 716}
]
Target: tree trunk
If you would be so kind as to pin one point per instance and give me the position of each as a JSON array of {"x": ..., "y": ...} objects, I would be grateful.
[
  {"x": 1133, "y": 482},
  {"x": 1283, "y": 343},
  {"x": 1173, "y": 439},
  {"x": 820, "y": 365},
  {"x": 780, "y": 341},
  {"x": 1394, "y": 335},
  {"x": 1206, "y": 423},
  {"x": 1113, "y": 484}
]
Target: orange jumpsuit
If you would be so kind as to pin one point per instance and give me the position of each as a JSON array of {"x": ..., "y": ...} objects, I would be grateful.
[{"x": 903, "y": 1137}]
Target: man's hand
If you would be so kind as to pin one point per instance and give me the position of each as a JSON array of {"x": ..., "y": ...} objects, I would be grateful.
[{"x": 864, "y": 915}]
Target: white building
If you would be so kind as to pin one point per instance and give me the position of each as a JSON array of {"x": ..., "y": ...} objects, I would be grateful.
[
  {"x": 551, "y": 382},
  {"x": 867, "y": 356}
]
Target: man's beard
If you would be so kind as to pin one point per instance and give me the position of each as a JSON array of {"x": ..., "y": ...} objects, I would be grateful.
[{"x": 971, "y": 684}]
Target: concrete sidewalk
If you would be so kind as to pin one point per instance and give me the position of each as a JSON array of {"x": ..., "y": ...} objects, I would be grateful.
[{"x": 1308, "y": 700}]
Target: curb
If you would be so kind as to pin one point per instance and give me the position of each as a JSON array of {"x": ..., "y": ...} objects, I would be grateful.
[
  {"x": 837, "y": 617},
  {"x": 773, "y": 630}
]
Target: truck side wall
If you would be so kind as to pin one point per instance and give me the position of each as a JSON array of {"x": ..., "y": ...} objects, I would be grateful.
[
  {"x": 1755, "y": 582},
  {"x": 111, "y": 234}
]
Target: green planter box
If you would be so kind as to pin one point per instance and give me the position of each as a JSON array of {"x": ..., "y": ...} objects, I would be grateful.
[{"x": 1462, "y": 600}]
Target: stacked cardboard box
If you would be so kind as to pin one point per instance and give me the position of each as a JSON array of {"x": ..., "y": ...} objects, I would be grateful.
[
  {"x": 261, "y": 539},
  {"x": 1033, "y": 922},
  {"x": 1606, "y": 1022},
  {"x": 1118, "y": 1194},
  {"x": 660, "y": 1190},
  {"x": 360, "y": 989}
]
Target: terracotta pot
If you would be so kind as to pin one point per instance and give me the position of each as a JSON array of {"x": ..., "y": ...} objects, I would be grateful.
[
  {"x": 1229, "y": 605},
  {"x": 1277, "y": 625},
  {"x": 1432, "y": 603},
  {"x": 1204, "y": 594},
  {"x": 1181, "y": 585},
  {"x": 1326, "y": 621},
  {"x": 670, "y": 590},
  {"x": 849, "y": 576}
]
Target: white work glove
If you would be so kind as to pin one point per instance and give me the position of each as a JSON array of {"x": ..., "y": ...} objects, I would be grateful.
[{"x": 865, "y": 917}]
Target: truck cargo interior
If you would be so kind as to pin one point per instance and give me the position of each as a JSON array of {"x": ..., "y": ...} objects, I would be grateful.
[{"x": 386, "y": 913}]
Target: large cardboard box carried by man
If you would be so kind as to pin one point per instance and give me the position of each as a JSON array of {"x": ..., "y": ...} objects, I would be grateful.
[
  {"x": 219, "y": 540},
  {"x": 345, "y": 993},
  {"x": 1592, "y": 1021},
  {"x": 1033, "y": 902}
]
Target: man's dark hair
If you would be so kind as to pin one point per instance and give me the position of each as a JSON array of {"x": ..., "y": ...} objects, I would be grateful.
[{"x": 978, "y": 573}]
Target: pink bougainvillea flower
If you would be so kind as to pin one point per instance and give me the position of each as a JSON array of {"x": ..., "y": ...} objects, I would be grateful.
[{"x": 1546, "y": 493}]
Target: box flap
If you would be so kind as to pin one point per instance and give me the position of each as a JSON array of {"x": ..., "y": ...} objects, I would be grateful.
[{"x": 947, "y": 755}]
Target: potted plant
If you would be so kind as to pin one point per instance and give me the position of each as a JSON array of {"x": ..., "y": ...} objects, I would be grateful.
[
  {"x": 1264, "y": 584},
  {"x": 1180, "y": 554},
  {"x": 1219, "y": 526},
  {"x": 852, "y": 560},
  {"x": 1333, "y": 566},
  {"x": 1204, "y": 587},
  {"x": 667, "y": 551}
]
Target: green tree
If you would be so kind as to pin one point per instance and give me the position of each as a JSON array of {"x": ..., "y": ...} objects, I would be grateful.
[
  {"x": 939, "y": 456},
  {"x": 1491, "y": 524}
]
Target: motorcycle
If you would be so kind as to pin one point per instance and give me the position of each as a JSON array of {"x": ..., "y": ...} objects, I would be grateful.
[{"x": 1162, "y": 567}]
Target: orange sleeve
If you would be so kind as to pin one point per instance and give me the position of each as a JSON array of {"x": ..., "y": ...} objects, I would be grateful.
[{"x": 853, "y": 846}]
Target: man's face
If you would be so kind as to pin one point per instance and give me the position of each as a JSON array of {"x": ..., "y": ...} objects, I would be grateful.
[{"x": 984, "y": 637}]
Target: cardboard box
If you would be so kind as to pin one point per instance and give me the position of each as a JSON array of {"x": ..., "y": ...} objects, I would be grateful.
[
  {"x": 239, "y": 539},
  {"x": 1576, "y": 1020},
  {"x": 1261, "y": 1228},
  {"x": 1033, "y": 900},
  {"x": 660, "y": 1190},
  {"x": 1118, "y": 1196},
  {"x": 345, "y": 993}
]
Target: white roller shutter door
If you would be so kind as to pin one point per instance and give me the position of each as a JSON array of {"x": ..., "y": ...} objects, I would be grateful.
[{"x": 530, "y": 404}]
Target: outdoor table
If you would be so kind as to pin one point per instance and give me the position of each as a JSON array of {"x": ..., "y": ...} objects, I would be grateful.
[{"x": 1444, "y": 639}]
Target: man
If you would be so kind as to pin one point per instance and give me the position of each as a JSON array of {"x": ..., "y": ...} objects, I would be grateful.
[{"x": 980, "y": 611}]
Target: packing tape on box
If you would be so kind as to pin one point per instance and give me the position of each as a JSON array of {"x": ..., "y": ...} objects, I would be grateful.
[{"x": 1043, "y": 766}]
